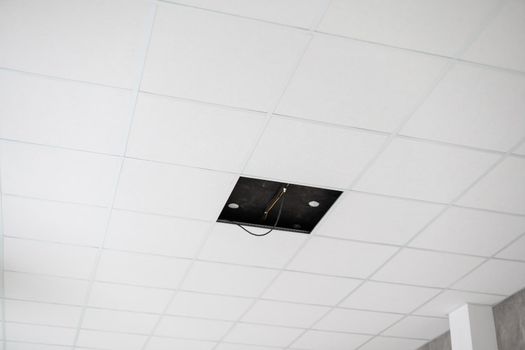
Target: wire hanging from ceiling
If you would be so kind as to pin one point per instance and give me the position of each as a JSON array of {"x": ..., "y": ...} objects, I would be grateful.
[{"x": 280, "y": 197}]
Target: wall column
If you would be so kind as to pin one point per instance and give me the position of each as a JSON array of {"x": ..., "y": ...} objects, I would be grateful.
[{"x": 472, "y": 328}]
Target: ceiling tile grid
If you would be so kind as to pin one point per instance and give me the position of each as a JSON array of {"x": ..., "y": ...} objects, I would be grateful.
[{"x": 120, "y": 145}]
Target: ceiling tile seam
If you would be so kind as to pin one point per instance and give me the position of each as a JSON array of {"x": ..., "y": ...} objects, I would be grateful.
[
  {"x": 288, "y": 81},
  {"x": 222, "y": 171},
  {"x": 149, "y": 213},
  {"x": 394, "y": 134},
  {"x": 227, "y": 295},
  {"x": 414, "y": 311},
  {"x": 379, "y": 194},
  {"x": 358, "y": 129},
  {"x": 376, "y": 194},
  {"x": 219, "y": 105},
  {"x": 2, "y": 266},
  {"x": 150, "y": 20},
  {"x": 448, "y": 287},
  {"x": 173, "y": 338},
  {"x": 284, "y": 116},
  {"x": 234, "y": 15},
  {"x": 56, "y": 201},
  {"x": 320, "y": 32},
  {"x": 185, "y": 315},
  {"x": 58, "y": 147},
  {"x": 448, "y": 66},
  {"x": 114, "y": 331},
  {"x": 254, "y": 266},
  {"x": 190, "y": 338},
  {"x": 444, "y": 71},
  {"x": 245, "y": 162},
  {"x": 421, "y": 52},
  {"x": 231, "y": 263},
  {"x": 189, "y": 291},
  {"x": 266, "y": 288},
  {"x": 62, "y": 79},
  {"x": 369, "y": 131},
  {"x": 52, "y": 344},
  {"x": 299, "y": 119},
  {"x": 164, "y": 313},
  {"x": 37, "y": 343},
  {"x": 273, "y": 107},
  {"x": 458, "y": 197},
  {"x": 497, "y": 68}
]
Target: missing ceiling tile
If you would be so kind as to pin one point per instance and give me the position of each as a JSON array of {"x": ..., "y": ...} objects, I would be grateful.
[{"x": 258, "y": 203}]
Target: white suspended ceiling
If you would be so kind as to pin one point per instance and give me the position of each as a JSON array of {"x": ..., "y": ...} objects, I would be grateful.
[{"x": 125, "y": 124}]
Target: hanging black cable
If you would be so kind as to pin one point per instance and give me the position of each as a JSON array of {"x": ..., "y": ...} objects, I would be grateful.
[{"x": 281, "y": 197}]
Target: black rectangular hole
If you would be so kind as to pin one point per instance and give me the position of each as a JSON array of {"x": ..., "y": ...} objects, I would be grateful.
[{"x": 299, "y": 213}]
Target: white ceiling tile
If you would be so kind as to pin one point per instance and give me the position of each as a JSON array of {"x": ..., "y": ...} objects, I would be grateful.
[
  {"x": 500, "y": 43},
  {"x": 40, "y": 334},
  {"x": 382, "y": 343},
  {"x": 192, "y": 328},
  {"x": 388, "y": 297},
  {"x": 336, "y": 257},
  {"x": 293, "y": 150},
  {"x": 40, "y": 313},
  {"x": 442, "y": 27},
  {"x": 229, "y": 243},
  {"x": 228, "y": 279},
  {"x": 291, "y": 12},
  {"x": 102, "y": 43},
  {"x": 140, "y": 269},
  {"x": 118, "y": 321},
  {"x": 515, "y": 251},
  {"x": 470, "y": 231},
  {"x": 31, "y": 346},
  {"x": 425, "y": 171},
  {"x": 48, "y": 258},
  {"x": 473, "y": 106},
  {"x": 208, "y": 306},
  {"x": 53, "y": 221},
  {"x": 450, "y": 300},
  {"x": 59, "y": 174},
  {"x": 356, "y": 321},
  {"x": 140, "y": 299},
  {"x": 297, "y": 287},
  {"x": 228, "y": 346},
  {"x": 520, "y": 149},
  {"x": 63, "y": 113},
  {"x": 495, "y": 276},
  {"x": 358, "y": 84},
  {"x": 426, "y": 268},
  {"x": 157, "y": 343},
  {"x": 317, "y": 340},
  {"x": 284, "y": 314},
  {"x": 375, "y": 218},
  {"x": 194, "y": 134},
  {"x": 262, "y": 335},
  {"x": 250, "y": 65},
  {"x": 419, "y": 327},
  {"x": 155, "y": 234},
  {"x": 502, "y": 189},
  {"x": 173, "y": 190},
  {"x": 44, "y": 288},
  {"x": 113, "y": 341}
]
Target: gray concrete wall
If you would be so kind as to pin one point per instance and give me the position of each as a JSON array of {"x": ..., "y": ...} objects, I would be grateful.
[
  {"x": 509, "y": 318},
  {"x": 440, "y": 343}
]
